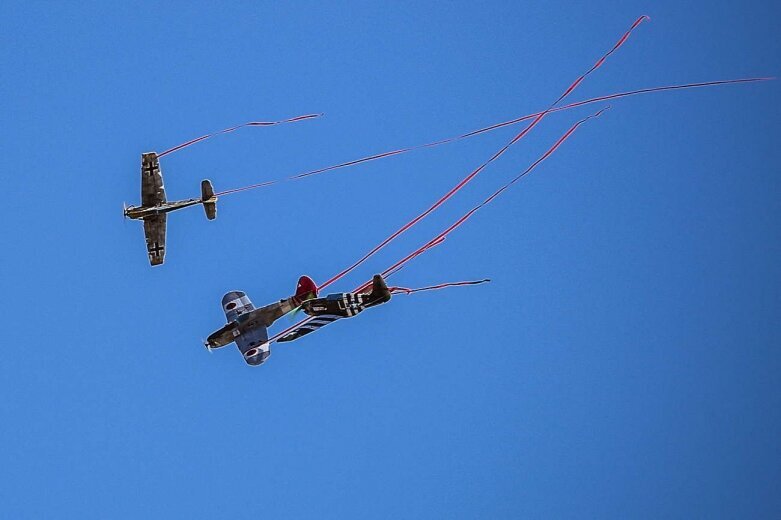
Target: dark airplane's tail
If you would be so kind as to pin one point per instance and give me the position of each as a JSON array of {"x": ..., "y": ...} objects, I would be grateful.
[
  {"x": 209, "y": 199},
  {"x": 380, "y": 292}
]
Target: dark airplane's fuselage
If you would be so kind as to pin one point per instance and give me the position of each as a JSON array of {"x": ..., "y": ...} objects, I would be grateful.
[{"x": 141, "y": 212}]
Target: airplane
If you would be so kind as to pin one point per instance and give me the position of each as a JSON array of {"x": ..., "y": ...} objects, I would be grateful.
[
  {"x": 248, "y": 326},
  {"x": 332, "y": 307},
  {"x": 154, "y": 206}
]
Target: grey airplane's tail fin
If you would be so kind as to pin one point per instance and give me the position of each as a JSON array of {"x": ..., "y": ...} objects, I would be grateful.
[{"x": 209, "y": 199}]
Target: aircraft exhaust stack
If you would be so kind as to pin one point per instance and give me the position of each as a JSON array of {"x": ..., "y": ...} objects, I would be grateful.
[{"x": 208, "y": 199}]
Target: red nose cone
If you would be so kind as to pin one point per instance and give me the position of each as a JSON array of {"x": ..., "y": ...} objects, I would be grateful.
[{"x": 306, "y": 285}]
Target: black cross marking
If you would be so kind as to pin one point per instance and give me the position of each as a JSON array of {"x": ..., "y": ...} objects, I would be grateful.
[
  {"x": 156, "y": 249},
  {"x": 150, "y": 169}
]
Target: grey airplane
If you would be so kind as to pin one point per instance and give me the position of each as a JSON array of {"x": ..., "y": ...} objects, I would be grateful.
[{"x": 154, "y": 206}]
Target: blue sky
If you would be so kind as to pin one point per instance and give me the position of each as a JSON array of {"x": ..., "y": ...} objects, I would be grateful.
[{"x": 623, "y": 363}]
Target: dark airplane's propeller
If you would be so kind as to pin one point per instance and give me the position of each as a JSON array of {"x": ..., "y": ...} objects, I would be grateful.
[
  {"x": 206, "y": 345},
  {"x": 124, "y": 210}
]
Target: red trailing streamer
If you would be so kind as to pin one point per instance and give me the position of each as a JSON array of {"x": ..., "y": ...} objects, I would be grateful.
[
  {"x": 438, "y": 240},
  {"x": 234, "y": 128},
  {"x": 404, "y": 290},
  {"x": 441, "y": 237},
  {"x": 480, "y": 168},
  {"x": 489, "y": 128}
]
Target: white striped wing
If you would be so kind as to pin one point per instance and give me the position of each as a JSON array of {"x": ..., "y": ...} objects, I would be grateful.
[{"x": 309, "y": 326}]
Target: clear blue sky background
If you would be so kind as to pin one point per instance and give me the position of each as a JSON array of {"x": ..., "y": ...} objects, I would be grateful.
[{"x": 623, "y": 364}]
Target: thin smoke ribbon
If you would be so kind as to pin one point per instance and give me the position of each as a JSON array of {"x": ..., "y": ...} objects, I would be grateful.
[
  {"x": 234, "y": 128},
  {"x": 441, "y": 236},
  {"x": 458, "y": 223},
  {"x": 475, "y": 172},
  {"x": 405, "y": 290},
  {"x": 490, "y": 128},
  {"x": 466, "y": 180}
]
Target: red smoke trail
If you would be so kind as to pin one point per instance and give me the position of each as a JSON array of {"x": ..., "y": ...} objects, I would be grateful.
[
  {"x": 490, "y": 128},
  {"x": 618, "y": 95},
  {"x": 441, "y": 237},
  {"x": 398, "y": 290},
  {"x": 234, "y": 128},
  {"x": 480, "y": 168}
]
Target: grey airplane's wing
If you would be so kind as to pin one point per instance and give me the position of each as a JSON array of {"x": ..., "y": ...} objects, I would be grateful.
[
  {"x": 152, "y": 189},
  {"x": 246, "y": 326},
  {"x": 310, "y": 325},
  {"x": 154, "y": 231},
  {"x": 235, "y": 304}
]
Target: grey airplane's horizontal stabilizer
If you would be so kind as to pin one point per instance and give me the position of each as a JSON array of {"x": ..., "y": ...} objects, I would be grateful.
[{"x": 209, "y": 199}]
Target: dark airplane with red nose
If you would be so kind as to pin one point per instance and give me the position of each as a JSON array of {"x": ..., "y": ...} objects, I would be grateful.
[{"x": 248, "y": 326}]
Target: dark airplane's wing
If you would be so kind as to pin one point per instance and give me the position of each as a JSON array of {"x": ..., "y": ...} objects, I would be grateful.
[
  {"x": 154, "y": 230},
  {"x": 152, "y": 189},
  {"x": 309, "y": 325}
]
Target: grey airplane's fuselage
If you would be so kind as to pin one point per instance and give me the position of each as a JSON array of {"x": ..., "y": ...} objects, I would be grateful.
[{"x": 141, "y": 212}]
